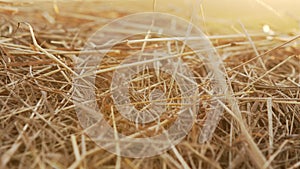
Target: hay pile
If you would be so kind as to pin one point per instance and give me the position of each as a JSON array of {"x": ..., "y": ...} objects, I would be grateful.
[{"x": 39, "y": 127}]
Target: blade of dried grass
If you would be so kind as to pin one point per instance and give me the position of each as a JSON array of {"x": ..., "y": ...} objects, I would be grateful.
[
  {"x": 270, "y": 122},
  {"x": 47, "y": 53},
  {"x": 117, "y": 140},
  {"x": 75, "y": 148},
  {"x": 180, "y": 158}
]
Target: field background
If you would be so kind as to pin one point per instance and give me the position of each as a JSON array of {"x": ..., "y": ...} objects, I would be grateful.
[{"x": 217, "y": 16}]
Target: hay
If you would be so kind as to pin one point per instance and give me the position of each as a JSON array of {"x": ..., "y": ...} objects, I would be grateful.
[{"x": 38, "y": 123}]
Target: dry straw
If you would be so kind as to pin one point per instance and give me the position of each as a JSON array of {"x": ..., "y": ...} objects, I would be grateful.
[{"x": 260, "y": 127}]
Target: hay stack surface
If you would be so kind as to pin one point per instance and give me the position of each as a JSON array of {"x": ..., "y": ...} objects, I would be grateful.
[{"x": 39, "y": 127}]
